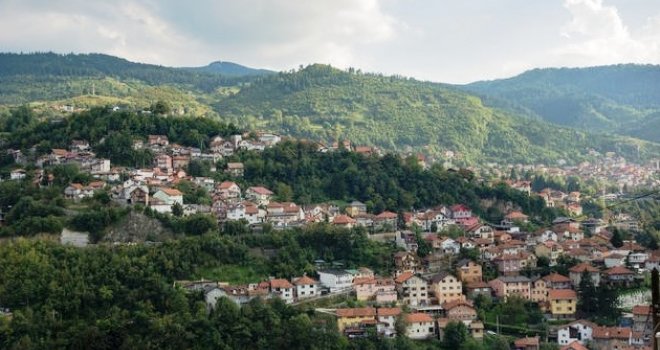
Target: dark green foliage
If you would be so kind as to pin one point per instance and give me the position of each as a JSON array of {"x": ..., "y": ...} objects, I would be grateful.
[
  {"x": 617, "y": 238},
  {"x": 587, "y": 296},
  {"x": 455, "y": 335},
  {"x": 96, "y": 220}
]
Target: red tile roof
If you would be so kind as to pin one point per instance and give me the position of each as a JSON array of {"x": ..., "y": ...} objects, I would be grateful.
[
  {"x": 356, "y": 312},
  {"x": 261, "y": 190},
  {"x": 418, "y": 317},
  {"x": 574, "y": 346},
  {"x": 557, "y": 294},
  {"x": 280, "y": 283},
  {"x": 171, "y": 191},
  {"x": 343, "y": 220},
  {"x": 619, "y": 270},
  {"x": 641, "y": 310},
  {"x": 556, "y": 278},
  {"x": 523, "y": 342},
  {"x": 403, "y": 277},
  {"x": 612, "y": 333},
  {"x": 304, "y": 281},
  {"x": 389, "y": 311},
  {"x": 364, "y": 280}
]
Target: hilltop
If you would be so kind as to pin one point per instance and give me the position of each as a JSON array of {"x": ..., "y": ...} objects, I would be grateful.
[{"x": 621, "y": 99}]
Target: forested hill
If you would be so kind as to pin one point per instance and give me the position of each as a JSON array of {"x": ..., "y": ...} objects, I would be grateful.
[
  {"x": 318, "y": 102},
  {"x": 321, "y": 102},
  {"x": 621, "y": 98}
]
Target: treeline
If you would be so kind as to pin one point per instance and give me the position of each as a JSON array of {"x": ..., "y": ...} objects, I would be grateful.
[
  {"x": 297, "y": 171},
  {"x": 45, "y": 65}
]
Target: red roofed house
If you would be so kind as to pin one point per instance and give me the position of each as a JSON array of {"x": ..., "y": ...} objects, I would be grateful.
[
  {"x": 228, "y": 190},
  {"x": 354, "y": 317},
  {"x": 386, "y": 220},
  {"x": 420, "y": 326},
  {"x": 364, "y": 287},
  {"x": 619, "y": 276},
  {"x": 526, "y": 343},
  {"x": 606, "y": 338},
  {"x": 259, "y": 195},
  {"x": 283, "y": 288},
  {"x": 642, "y": 320},
  {"x": 575, "y": 273},
  {"x": 306, "y": 287},
  {"x": 387, "y": 320},
  {"x": 413, "y": 290},
  {"x": 460, "y": 211},
  {"x": 344, "y": 221},
  {"x": 574, "y": 346},
  {"x": 563, "y": 303},
  {"x": 513, "y": 217}
]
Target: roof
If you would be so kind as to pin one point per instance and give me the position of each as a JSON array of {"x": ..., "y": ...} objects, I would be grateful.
[
  {"x": 475, "y": 285},
  {"x": 389, "y": 311},
  {"x": 418, "y": 317},
  {"x": 335, "y": 272},
  {"x": 574, "y": 346},
  {"x": 583, "y": 267},
  {"x": 513, "y": 279},
  {"x": 514, "y": 215},
  {"x": 227, "y": 185},
  {"x": 304, "y": 280},
  {"x": 364, "y": 280},
  {"x": 261, "y": 190},
  {"x": 343, "y": 220},
  {"x": 403, "y": 277},
  {"x": 459, "y": 207},
  {"x": 641, "y": 310},
  {"x": 356, "y": 312},
  {"x": 556, "y": 278},
  {"x": 234, "y": 165},
  {"x": 280, "y": 283},
  {"x": 556, "y": 294},
  {"x": 527, "y": 341},
  {"x": 619, "y": 270},
  {"x": 441, "y": 276},
  {"x": 452, "y": 304},
  {"x": 386, "y": 215},
  {"x": 612, "y": 333},
  {"x": 171, "y": 191}
]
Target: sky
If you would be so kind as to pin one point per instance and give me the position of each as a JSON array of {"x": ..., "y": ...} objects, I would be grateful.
[{"x": 455, "y": 41}]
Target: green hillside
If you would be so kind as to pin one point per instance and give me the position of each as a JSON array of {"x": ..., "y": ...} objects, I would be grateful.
[
  {"x": 617, "y": 99},
  {"x": 320, "y": 102}
]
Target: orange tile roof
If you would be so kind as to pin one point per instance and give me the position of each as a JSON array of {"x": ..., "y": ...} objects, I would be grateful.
[
  {"x": 261, "y": 190},
  {"x": 343, "y": 220},
  {"x": 280, "y": 283},
  {"x": 364, "y": 280},
  {"x": 418, "y": 317},
  {"x": 583, "y": 267},
  {"x": 556, "y": 294},
  {"x": 356, "y": 312},
  {"x": 556, "y": 278},
  {"x": 523, "y": 342},
  {"x": 403, "y": 277},
  {"x": 574, "y": 346},
  {"x": 389, "y": 311},
  {"x": 386, "y": 215},
  {"x": 304, "y": 280},
  {"x": 619, "y": 270},
  {"x": 641, "y": 310},
  {"x": 171, "y": 191},
  {"x": 612, "y": 333}
]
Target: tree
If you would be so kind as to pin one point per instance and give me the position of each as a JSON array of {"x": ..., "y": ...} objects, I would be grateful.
[
  {"x": 455, "y": 335},
  {"x": 177, "y": 209},
  {"x": 587, "y": 295},
  {"x": 161, "y": 108},
  {"x": 617, "y": 238}
]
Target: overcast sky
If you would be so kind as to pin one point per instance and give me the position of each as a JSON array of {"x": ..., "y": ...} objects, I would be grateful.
[{"x": 448, "y": 41}]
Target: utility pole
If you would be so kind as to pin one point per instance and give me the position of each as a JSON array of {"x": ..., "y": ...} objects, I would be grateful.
[
  {"x": 497, "y": 318},
  {"x": 655, "y": 304}
]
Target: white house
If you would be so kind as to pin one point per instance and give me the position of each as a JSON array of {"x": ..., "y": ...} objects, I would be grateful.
[
  {"x": 259, "y": 195},
  {"x": 282, "y": 288},
  {"x": 336, "y": 280},
  {"x": 387, "y": 321},
  {"x": 17, "y": 174},
  {"x": 419, "y": 326},
  {"x": 169, "y": 196},
  {"x": 306, "y": 287},
  {"x": 580, "y": 330}
]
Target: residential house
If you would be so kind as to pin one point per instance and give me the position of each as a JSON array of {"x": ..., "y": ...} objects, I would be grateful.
[
  {"x": 460, "y": 310},
  {"x": 576, "y": 345},
  {"x": 163, "y": 162},
  {"x": 527, "y": 343},
  {"x": 285, "y": 213},
  {"x": 513, "y": 218},
  {"x": 17, "y": 174},
  {"x": 135, "y": 194},
  {"x": 419, "y": 326},
  {"x": 387, "y": 321},
  {"x": 447, "y": 288},
  {"x": 386, "y": 220},
  {"x": 385, "y": 291},
  {"x": 578, "y": 331},
  {"x": 347, "y": 318},
  {"x": 169, "y": 195},
  {"x": 619, "y": 276},
  {"x": 413, "y": 289},
  {"x": 447, "y": 245},
  {"x": 364, "y": 287},
  {"x": 336, "y": 280},
  {"x": 478, "y": 288},
  {"x": 235, "y": 169},
  {"x": 158, "y": 140},
  {"x": 228, "y": 190},
  {"x": 614, "y": 259},
  {"x": 356, "y": 208},
  {"x": 513, "y": 264},
  {"x": 557, "y": 281},
  {"x": 344, "y": 221},
  {"x": 259, "y": 195},
  {"x": 539, "y": 292},
  {"x": 551, "y": 250},
  {"x": 306, "y": 287},
  {"x": 469, "y": 271},
  {"x": 407, "y": 262},
  {"x": 283, "y": 289},
  {"x": 642, "y": 320},
  {"x": 608, "y": 338},
  {"x": 563, "y": 303},
  {"x": 575, "y": 273},
  {"x": 460, "y": 211},
  {"x": 506, "y": 286}
]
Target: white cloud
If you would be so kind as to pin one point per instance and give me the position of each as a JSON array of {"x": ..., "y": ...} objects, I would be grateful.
[{"x": 596, "y": 35}]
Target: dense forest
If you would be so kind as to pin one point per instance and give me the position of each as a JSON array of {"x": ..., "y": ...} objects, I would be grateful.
[{"x": 618, "y": 99}]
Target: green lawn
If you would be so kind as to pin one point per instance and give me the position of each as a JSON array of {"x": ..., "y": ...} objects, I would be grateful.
[{"x": 232, "y": 274}]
